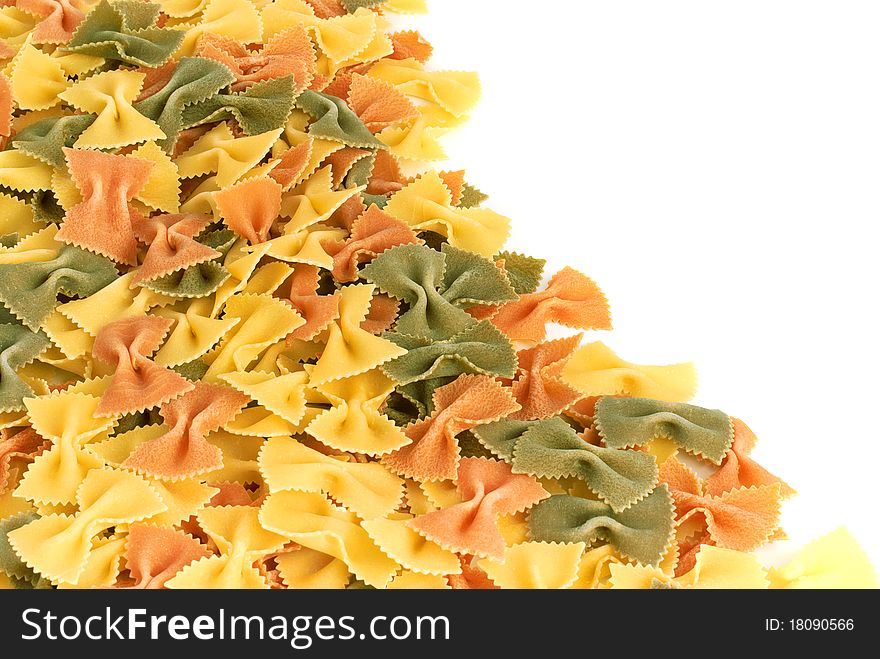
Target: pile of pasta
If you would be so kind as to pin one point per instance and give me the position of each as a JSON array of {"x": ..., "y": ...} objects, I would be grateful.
[{"x": 245, "y": 342}]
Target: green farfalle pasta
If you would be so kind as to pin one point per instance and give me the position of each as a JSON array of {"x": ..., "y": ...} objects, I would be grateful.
[
  {"x": 46, "y": 138},
  {"x": 471, "y": 196},
  {"x": 263, "y": 107},
  {"x": 524, "y": 272},
  {"x": 18, "y": 346},
  {"x": 627, "y": 422},
  {"x": 437, "y": 287},
  {"x": 642, "y": 532},
  {"x": 480, "y": 349},
  {"x": 351, "y": 6},
  {"x": 46, "y": 208},
  {"x": 335, "y": 121},
  {"x": 196, "y": 281},
  {"x": 195, "y": 79},
  {"x": 552, "y": 449},
  {"x": 30, "y": 290},
  {"x": 125, "y": 32}
]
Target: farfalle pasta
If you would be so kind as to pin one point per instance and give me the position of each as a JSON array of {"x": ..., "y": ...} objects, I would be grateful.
[{"x": 247, "y": 340}]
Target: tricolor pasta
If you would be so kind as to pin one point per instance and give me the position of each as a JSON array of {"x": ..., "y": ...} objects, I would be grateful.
[{"x": 245, "y": 343}]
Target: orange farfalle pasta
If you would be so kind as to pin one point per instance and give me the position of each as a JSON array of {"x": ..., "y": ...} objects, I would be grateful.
[
  {"x": 138, "y": 382},
  {"x": 250, "y": 207},
  {"x": 102, "y": 221},
  {"x": 21, "y": 447},
  {"x": 539, "y": 389},
  {"x": 570, "y": 299},
  {"x": 59, "y": 19},
  {"x": 410, "y": 44},
  {"x": 379, "y": 104},
  {"x": 434, "y": 454},
  {"x": 739, "y": 470},
  {"x": 742, "y": 519},
  {"x": 7, "y": 104},
  {"x": 172, "y": 245},
  {"x": 371, "y": 234},
  {"x": 487, "y": 489},
  {"x": 183, "y": 451},
  {"x": 292, "y": 164},
  {"x": 318, "y": 310},
  {"x": 155, "y": 554},
  {"x": 287, "y": 53}
]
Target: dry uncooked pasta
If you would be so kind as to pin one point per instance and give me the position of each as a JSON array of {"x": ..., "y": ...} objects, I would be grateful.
[{"x": 246, "y": 343}]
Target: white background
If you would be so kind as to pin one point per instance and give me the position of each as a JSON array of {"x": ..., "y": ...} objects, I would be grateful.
[{"x": 714, "y": 167}]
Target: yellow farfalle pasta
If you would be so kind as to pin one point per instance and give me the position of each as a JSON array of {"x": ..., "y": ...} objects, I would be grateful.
[
  {"x": 58, "y": 546},
  {"x": 241, "y": 540},
  {"x": 367, "y": 489},
  {"x": 312, "y": 521}
]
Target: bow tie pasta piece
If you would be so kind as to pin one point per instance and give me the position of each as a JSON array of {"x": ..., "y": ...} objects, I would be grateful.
[
  {"x": 264, "y": 320},
  {"x": 307, "y": 569},
  {"x": 538, "y": 388},
  {"x": 183, "y": 450},
  {"x": 552, "y": 449},
  {"x": 833, "y": 561},
  {"x": 595, "y": 370},
  {"x": 434, "y": 452},
  {"x": 642, "y": 532},
  {"x": 536, "y": 565},
  {"x": 228, "y": 156},
  {"x": 23, "y": 173},
  {"x": 58, "y": 546},
  {"x": 250, "y": 207},
  {"x": 412, "y": 551},
  {"x": 171, "y": 243},
  {"x": 37, "y": 79},
  {"x": 369, "y": 490},
  {"x": 110, "y": 95},
  {"x": 193, "y": 79},
  {"x": 378, "y": 104},
  {"x": 313, "y": 201},
  {"x": 425, "y": 205},
  {"x": 310, "y": 520},
  {"x": 284, "y": 395},
  {"x": 488, "y": 489},
  {"x": 240, "y": 540},
  {"x": 59, "y": 19},
  {"x": 69, "y": 420},
  {"x": 318, "y": 310},
  {"x": 739, "y": 469},
  {"x": 287, "y": 53},
  {"x": 437, "y": 287},
  {"x": 570, "y": 299},
  {"x": 10, "y": 564},
  {"x": 715, "y": 568},
  {"x": 18, "y": 347},
  {"x": 22, "y": 446},
  {"x": 124, "y": 32},
  {"x": 30, "y": 290},
  {"x": 480, "y": 349},
  {"x": 235, "y": 19},
  {"x": 372, "y": 233},
  {"x": 108, "y": 183},
  {"x": 334, "y": 120},
  {"x": 47, "y": 138},
  {"x": 457, "y": 92},
  {"x": 262, "y": 107},
  {"x": 355, "y": 423},
  {"x": 138, "y": 382},
  {"x": 155, "y": 554},
  {"x": 351, "y": 350},
  {"x": 628, "y": 422}
]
